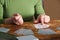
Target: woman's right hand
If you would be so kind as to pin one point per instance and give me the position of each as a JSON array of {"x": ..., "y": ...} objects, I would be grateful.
[{"x": 17, "y": 19}]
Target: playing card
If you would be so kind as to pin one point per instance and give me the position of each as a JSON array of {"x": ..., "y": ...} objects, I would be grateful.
[
  {"x": 24, "y": 31},
  {"x": 2, "y": 29},
  {"x": 58, "y": 28},
  {"x": 46, "y": 31},
  {"x": 29, "y": 37},
  {"x": 39, "y": 26}
]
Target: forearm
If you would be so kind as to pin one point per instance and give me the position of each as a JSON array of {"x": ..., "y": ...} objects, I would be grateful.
[
  {"x": 3, "y": 21},
  {"x": 8, "y": 21}
]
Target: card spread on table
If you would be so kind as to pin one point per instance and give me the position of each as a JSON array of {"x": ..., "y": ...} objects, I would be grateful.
[
  {"x": 29, "y": 37},
  {"x": 58, "y": 28},
  {"x": 39, "y": 25},
  {"x": 2, "y": 29},
  {"x": 46, "y": 31},
  {"x": 24, "y": 31}
]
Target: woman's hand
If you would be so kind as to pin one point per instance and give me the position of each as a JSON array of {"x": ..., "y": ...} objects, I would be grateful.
[
  {"x": 17, "y": 19},
  {"x": 43, "y": 19}
]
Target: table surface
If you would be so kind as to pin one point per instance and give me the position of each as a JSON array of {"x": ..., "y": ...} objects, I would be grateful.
[{"x": 29, "y": 25}]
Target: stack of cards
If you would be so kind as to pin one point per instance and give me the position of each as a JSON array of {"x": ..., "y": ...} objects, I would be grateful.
[
  {"x": 30, "y": 37},
  {"x": 24, "y": 31},
  {"x": 5, "y": 30}
]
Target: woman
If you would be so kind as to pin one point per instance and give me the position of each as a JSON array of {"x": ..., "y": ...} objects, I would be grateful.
[{"x": 17, "y": 11}]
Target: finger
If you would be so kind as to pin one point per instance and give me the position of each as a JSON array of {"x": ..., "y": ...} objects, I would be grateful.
[
  {"x": 8, "y": 21},
  {"x": 17, "y": 23},
  {"x": 38, "y": 19},
  {"x": 35, "y": 20},
  {"x": 20, "y": 21},
  {"x": 42, "y": 19},
  {"x": 47, "y": 19}
]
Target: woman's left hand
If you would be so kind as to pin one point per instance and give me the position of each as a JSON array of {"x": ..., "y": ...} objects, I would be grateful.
[{"x": 43, "y": 19}]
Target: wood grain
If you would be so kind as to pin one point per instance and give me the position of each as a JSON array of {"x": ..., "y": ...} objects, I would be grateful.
[{"x": 29, "y": 25}]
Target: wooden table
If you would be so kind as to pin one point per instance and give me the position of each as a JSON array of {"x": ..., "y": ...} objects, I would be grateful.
[{"x": 29, "y": 25}]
